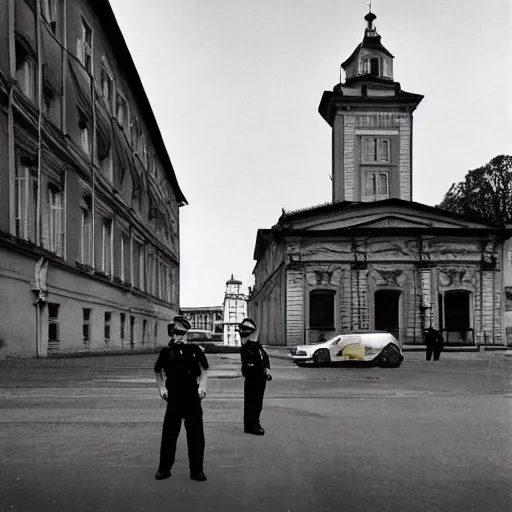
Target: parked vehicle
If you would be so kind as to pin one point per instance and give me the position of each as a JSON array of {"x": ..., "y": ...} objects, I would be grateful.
[
  {"x": 205, "y": 339},
  {"x": 377, "y": 347}
]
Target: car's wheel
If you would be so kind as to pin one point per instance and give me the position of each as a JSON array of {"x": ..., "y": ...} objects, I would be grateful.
[
  {"x": 321, "y": 356},
  {"x": 390, "y": 357}
]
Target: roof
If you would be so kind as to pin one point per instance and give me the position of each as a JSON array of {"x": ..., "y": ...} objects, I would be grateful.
[
  {"x": 331, "y": 100},
  {"x": 284, "y": 226},
  {"x": 355, "y": 205},
  {"x": 372, "y": 43},
  {"x": 115, "y": 37}
]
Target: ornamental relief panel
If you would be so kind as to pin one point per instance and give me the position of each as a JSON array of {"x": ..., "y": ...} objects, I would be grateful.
[
  {"x": 457, "y": 277},
  {"x": 394, "y": 248},
  {"x": 324, "y": 276},
  {"x": 433, "y": 249},
  {"x": 388, "y": 276},
  {"x": 326, "y": 250}
]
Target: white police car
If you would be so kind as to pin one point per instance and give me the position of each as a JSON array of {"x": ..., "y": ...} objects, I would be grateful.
[{"x": 377, "y": 347}]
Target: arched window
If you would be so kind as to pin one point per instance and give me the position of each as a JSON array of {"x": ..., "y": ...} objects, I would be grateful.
[
  {"x": 385, "y": 67},
  {"x": 365, "y": 65},
  {"x": 374, "y": 66},
  {"x": 321, "y": 309}
]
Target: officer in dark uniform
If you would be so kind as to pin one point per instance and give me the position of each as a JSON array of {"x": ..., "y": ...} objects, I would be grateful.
[
  {"x": 181, "y": 376},
  {"x": 255, "y": 366},
  {"x": 434, "y": 341}
]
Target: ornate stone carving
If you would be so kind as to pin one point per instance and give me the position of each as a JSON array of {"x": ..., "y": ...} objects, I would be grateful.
[
  {"x": 390, "y": 276},
  {"x": 456, "y": 277},
  {"x": 326, "y": 276},
  {"x": 444, "y": 249},
  {"x": 359, "y": 249},
  {"x": 394, "y": 248}
]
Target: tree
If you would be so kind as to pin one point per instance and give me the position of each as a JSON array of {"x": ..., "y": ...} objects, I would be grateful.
[{"x": 485, "y": 193}]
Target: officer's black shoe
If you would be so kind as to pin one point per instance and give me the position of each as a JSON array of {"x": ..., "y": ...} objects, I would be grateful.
[
  {"x": 162, "y": 475},
  {"x": 198, "y": 475},
  {"x": 257, "y": 431}
]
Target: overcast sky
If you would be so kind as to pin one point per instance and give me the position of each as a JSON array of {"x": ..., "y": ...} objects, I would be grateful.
[{"x": 235, "y": 87}]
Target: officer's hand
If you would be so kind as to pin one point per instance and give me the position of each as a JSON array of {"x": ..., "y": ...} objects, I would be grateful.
[
  {"x": 202, "y": 393},
  {"x": 163, "y": 394},
  {"x": 268, "y": 376}
]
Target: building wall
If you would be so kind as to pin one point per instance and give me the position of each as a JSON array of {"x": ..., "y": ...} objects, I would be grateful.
[
  {"x": 268, "y": 308},
  {"x": 120, "y": 176},
  {"x": 423, "y": 270},
  {"x": 507, "y": 291}
]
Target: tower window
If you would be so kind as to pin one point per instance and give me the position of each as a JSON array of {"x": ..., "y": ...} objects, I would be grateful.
[
  {"x": 377, "y": 185},
  {"x": 374, "y": 66},
  {"x": 376, "y": 149}
]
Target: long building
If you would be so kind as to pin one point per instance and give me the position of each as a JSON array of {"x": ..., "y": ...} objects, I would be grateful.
[{"x": 89, "y": 201}]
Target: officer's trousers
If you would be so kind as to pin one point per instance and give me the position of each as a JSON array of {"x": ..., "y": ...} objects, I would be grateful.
[
  {"x": 433, "y": 350},
  {"x": 193, "y": 416},
  {"x": 254, "y": 389}
]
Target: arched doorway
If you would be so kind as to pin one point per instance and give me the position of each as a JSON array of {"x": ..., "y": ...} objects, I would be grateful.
[{"x": 387, "y": 311}]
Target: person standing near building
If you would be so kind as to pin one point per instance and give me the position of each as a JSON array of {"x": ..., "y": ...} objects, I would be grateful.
[
  {"x": 255, "y": 366},
  {"x": 181, "y": 376},
  {"x": 434, "y": 341}
]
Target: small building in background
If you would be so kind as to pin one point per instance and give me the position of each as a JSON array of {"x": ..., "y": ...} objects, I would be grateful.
[
  {"x": 209, "y": 318},
  {"x": 235, "y": 310},
  {"x": 221, "y": 319}
]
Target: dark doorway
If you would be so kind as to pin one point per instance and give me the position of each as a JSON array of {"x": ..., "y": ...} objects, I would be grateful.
[
  {"x": 374, "y": 67},
  {"x": 387, "y": 315},
  {"x": 456, "y": 320}
]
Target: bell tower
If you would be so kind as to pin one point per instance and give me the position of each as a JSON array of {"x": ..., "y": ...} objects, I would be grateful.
[{"x": 371, "y": 120}]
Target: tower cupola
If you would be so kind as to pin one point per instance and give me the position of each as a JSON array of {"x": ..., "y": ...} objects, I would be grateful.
[{"x": 370, "y": 60}]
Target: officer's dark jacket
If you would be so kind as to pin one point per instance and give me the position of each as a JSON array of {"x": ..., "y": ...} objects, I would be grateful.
[
  {"x": 433, "y": 338},
  {"x": 180, "y": 362},
  {"x": 254, "y": 359}
]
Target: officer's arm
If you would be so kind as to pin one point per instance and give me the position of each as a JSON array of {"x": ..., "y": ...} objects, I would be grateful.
[
  {"x": 202, "y": 380},
  {"x": 160, "y": 376},
  {"x": 160, "y": 383}
]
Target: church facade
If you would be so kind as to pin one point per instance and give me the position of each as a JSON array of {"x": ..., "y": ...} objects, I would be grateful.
[{"x": 373, "y": 258}]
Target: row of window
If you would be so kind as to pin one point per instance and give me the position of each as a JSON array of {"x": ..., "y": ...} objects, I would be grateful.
[
  {"x": 454, "y": 308},
  {"x": 139, "y": 264},
  {"x": 115, "y": 100},
  {"x": 127, "y": 325}
]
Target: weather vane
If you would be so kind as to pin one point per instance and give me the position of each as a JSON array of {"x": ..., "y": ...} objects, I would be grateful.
[{"x": 370, "y": 5}]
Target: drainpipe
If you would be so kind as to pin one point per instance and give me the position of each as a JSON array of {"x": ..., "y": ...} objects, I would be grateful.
[
  {"x": 93, "y": 173},
  {"x": 39, "y": 121}
]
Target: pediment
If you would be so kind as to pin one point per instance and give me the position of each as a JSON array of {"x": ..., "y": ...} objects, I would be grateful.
[{"x": 380, "y": 215}]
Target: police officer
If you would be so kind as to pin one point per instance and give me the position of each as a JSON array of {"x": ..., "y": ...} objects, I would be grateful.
[
  {"x": 181, "y": 376},
  {"x": 434, "y": 341},
  {"x": 255, "y": 366}
]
